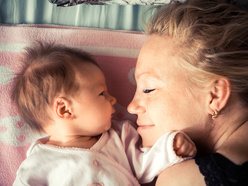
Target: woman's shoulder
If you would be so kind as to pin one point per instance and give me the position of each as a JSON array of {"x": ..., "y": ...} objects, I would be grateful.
[
  {"x": 184, "y": 173},
  {"x": 208, "y": 170}
]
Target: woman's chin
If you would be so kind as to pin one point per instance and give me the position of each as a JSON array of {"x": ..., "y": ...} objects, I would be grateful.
[
  {"x": 150, "y": 134},
  {"x": 148, "y": 140}
]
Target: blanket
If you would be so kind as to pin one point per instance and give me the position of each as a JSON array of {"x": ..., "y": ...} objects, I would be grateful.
[{"x": 115, "y": 51}]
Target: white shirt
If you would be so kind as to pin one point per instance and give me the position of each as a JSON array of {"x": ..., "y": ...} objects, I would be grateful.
[{"x": 114, "y": 160}]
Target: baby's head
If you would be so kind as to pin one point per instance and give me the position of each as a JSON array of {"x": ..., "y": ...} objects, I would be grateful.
[{"x": 53, "y": 83}]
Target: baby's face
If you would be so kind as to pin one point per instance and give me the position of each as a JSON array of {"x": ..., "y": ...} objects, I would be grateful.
[{"x": 93, "y": 105}]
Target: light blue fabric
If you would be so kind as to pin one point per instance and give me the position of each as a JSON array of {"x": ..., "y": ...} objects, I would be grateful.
[{"x": 118, "y": 17}]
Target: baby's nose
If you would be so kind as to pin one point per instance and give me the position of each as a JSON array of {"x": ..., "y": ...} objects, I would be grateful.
[{"x": 112, "y": 100}]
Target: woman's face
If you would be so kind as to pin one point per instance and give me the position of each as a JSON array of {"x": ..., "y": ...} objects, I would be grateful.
[{"x": 163, "y": 100}]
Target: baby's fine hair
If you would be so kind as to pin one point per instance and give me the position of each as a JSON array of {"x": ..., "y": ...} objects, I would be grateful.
[
  {"x": 47, "y": 70},
  {"x": 211, "y": 40}
]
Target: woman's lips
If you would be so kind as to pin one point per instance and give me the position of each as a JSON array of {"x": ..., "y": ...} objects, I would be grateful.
[{"x": 142, "y": 127}]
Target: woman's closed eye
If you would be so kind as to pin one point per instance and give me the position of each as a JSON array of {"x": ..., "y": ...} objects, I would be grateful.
[{"x": 147, "y": 91}]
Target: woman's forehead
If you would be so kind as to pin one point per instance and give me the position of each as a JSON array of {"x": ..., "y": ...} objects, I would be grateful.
[{"x": 155, "y": 55}]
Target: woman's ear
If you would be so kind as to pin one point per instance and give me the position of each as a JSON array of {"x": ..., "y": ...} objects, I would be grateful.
[
  {"x": 62, "y": 108},
  {"x": 219, "y": 95}
]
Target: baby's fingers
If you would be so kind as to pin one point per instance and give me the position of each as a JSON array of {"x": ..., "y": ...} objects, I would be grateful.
[
  {"x": 183, "y": 150},
  {"x": 183, "y": 146},
  {"x": 178, "y": 141},
  {"x": 190, "y": 151}
]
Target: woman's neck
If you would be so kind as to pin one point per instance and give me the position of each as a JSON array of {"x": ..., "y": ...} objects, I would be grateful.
[
  {"x": 235, "y": 147},
  {"x": 228, "y": 123},
  {"x": 230, "y": 132}
]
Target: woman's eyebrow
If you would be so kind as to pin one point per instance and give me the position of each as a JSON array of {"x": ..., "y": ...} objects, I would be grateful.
[
  {"x": 150, "y": 77},
  {"x": 149, "y": 74}
]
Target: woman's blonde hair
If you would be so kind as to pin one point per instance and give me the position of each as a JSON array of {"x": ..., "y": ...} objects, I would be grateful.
[
  {"x": 212, "y": 40},
  {"x": 47, "y": 70}
]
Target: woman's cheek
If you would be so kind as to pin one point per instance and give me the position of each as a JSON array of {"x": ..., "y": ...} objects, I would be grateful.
[{"x": 161, "y": 117}]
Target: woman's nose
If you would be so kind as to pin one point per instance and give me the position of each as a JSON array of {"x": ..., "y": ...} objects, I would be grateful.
[{"x": 134, "y": 107}]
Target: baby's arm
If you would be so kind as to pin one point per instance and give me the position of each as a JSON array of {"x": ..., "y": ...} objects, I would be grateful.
[
  {"x": 171, "y": 148},
  {"x": 183, "y": 146},
  {"x": 147, "y": 163}
]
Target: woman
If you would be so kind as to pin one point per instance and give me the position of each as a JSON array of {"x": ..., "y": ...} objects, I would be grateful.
[{"x": 192, "y": 75}]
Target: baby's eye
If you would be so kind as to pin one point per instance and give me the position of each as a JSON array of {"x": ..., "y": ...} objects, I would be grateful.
[
  {"x": 101, "y": 94},
  {"x": 146, "y": 91}
]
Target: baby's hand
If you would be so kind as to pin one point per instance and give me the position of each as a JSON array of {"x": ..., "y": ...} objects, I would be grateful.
[{"x": 183, "y": 146}]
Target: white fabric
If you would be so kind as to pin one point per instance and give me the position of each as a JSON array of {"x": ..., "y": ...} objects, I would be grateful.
[{"x": 113, "y": 160}]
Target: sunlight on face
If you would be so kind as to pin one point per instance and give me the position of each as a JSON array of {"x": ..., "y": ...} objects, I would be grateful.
[
  {"x": 162, "y": 100},
  {"x": 93, "y": 107}
]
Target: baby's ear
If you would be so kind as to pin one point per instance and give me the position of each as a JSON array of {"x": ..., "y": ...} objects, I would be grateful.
[
  {"x": 62, "y": 107},
  {"x": 219, "y": 94}
]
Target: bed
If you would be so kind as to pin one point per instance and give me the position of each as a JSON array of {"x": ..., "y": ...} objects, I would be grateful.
[{"x": 113, "y": 34}]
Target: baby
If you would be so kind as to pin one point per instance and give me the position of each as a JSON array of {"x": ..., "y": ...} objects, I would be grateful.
[{"x": 62, "y": 92}]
